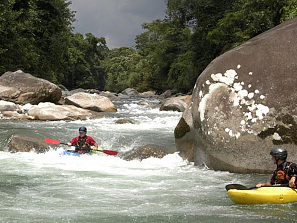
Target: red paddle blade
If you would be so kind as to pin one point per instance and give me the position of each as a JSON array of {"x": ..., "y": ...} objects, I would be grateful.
[
  {"x": 110, "y": 152},
  {"x": 52, "y": 141}
]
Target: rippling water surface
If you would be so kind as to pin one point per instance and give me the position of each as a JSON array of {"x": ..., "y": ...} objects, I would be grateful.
[{"x": 50, "y": 188}]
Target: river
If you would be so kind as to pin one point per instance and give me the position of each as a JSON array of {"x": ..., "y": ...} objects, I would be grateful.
[{"x": 53, "y": 188}]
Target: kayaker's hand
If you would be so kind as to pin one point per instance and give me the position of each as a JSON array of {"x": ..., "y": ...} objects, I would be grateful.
[
  {"x": 292, "y": 182},
  {"x": 95, "y": 148},
  {"x": 259, "y": 185},
  {"x": 69, "y": 144}
]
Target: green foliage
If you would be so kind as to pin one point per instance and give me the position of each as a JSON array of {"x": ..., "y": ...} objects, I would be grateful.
[
  {"x": 36, "y": 36},
  {"x": 83, "y": 64},
  {"x": 125, "y": 68}
]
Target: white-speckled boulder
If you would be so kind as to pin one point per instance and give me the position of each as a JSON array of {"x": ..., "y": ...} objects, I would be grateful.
[
  {"x": 244, "y": 104},
  {"x": 22, "y": 88}
]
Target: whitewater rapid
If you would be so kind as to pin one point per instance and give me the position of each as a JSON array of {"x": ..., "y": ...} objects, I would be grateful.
[{"x": 53, "y": 188}]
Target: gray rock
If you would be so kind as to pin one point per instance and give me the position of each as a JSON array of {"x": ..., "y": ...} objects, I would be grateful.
[
  {"x": 144, "y": 152},
  {"x": 130, "y": 92},
  {"x": 168, "y": 93},
  {"x": 123, "y": 96},
  {"x": 148, "y": 94},
  {"x": 93, "y": 102},
  {"x": 175, "y": 104},
  {"x": 22, "y": 88},
  {"x": 50, "y": 111},
  {"x": 244, "y": 104},
  {"x": 112, "y": 96},
  {"x": 124, "y": 121},
  {"x": 16, "y": 115},
  {"x": 7, "y": 106},
  {"x": 26, "y": 144},
  {"x": 143, "y": 103}
]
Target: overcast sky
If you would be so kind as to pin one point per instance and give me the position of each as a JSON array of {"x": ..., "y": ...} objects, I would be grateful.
[{"x": 119, "y": 21}]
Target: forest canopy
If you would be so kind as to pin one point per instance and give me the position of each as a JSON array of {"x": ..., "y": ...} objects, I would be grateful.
[{"x": 37, "y": 37}]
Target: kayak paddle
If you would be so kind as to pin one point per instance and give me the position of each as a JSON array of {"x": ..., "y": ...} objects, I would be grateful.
[
  {"x": 242, "y": 187},
  {"x": 56, "y": 142}
]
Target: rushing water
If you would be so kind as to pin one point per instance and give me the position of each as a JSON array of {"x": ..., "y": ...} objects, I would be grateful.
[{"x": 50, "y": 188}]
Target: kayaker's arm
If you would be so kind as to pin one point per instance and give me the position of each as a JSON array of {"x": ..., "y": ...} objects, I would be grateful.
[
  {"x": 263, "y": 184},
  {"x": 95, "y": 147},
  {"x": 292, "y": 182}
]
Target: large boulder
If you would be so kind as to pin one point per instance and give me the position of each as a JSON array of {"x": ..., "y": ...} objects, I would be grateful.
[
  {"x": 93, "y": 102},
  {"x": 26, "y": 144},
  {"x": 244, "y": 104},
  {"x": 50, "y": 111},
  {"x": 22, "y": 88},
  {"x": 175, "y": 104}
]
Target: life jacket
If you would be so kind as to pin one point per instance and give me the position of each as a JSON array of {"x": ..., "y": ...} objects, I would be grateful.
[
  {"x": 82, "y": 146},
  {"x": 283, "y": 175}
]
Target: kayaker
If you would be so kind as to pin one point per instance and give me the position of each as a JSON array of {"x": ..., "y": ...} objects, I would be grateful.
[
  {"x": 83, "y": 142},
  {"x": 285, "y": 173}
]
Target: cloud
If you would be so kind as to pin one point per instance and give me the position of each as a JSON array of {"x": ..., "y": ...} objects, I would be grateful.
[{"x": 119, "y": 21}]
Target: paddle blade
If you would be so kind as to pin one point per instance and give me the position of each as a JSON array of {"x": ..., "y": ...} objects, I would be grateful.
[
  {"x": 52, "y": 141},
  {"x": 236, "y": 186},
  {"x": 110, "y": 152}
]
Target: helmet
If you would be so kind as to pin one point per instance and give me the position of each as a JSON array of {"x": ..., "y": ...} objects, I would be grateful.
[
  {"x": 82, "y": 129},
  {"x": 279, "y": 152}
]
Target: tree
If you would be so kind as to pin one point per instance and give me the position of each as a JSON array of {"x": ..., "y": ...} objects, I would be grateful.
[
  {"x": 83, "y": 66},
  {"x": 34, "y": 36}
]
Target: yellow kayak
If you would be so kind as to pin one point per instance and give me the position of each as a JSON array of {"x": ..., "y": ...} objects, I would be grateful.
[{"x": 264, "y": 195}]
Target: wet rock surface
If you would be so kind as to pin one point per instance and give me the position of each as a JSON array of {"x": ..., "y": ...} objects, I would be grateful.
[
  {"x": 145, "y": 152},
  {"x": 26, "y": 144}
]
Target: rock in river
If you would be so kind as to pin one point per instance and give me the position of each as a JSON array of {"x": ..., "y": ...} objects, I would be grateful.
[
  {"x": 93, "y": 102},
  {"x": 175, "y": 104},
  {"x": 124, "y": 121},
  {"x": 22, "y": 88},
  {"x": 7, "y": 106},
  {"x": 144, "y": 152},
  {"x": 50, "y": 111},
  {"x": 130, "y": 92},
  {"x": 244, "y": 104},
  {"x": 26, "y": 144}
]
